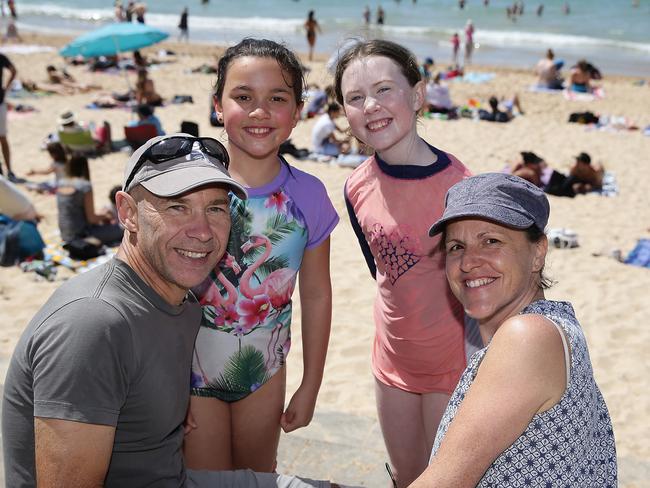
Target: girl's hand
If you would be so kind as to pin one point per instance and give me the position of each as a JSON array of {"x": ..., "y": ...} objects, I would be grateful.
[
  {"x": 190, "y": 424},
  {"x": 300, "y": 410}
]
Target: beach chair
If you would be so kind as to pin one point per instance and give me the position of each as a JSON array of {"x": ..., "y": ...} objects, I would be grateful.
[
  {"x": 137, "y": 135},
  {"x": 81, "y": 141}
]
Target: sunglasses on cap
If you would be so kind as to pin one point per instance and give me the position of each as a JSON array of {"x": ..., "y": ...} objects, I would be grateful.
[{"x": 177, "y": 147}]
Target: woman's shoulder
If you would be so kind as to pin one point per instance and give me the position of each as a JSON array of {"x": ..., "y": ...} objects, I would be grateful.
[{"x": 531, "y": 338}]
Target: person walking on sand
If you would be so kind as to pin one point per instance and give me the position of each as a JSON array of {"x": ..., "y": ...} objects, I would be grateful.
[
  {"x": 184, "y": 32},
  {"x": 469, "y": 42},
  {"x": 5, "y": 64},
  {"x": 311, "y": 26},
  {"x": 418, "y": 352},
  {"x": 455, "y": 47}
]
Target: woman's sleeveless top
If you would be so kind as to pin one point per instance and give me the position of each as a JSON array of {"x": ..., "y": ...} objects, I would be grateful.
[{"x": 569, "y": 445}]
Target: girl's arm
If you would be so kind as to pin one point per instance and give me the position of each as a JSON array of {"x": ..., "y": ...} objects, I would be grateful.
[
  {"x": 316, "y": 304},
  {"x": 89, "y": 210},
  {"x": 523, "y": 373},
  {"x": 365, "y": 248}
]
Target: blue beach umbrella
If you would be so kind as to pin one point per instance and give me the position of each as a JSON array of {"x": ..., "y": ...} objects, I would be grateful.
[{"x": 113, "y": 39}]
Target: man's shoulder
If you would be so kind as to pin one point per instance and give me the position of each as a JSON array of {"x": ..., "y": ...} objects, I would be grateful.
[{"x": 95, "y": 289}]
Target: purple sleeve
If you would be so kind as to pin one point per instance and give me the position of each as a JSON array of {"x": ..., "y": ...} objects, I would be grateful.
[{"x": 315, "y": 205}]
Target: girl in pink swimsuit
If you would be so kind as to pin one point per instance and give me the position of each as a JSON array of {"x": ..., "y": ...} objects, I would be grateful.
[{"x": 418, "y": 352}]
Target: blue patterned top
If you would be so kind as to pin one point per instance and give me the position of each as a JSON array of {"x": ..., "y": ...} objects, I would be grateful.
[{"x": 569, "y": 445}]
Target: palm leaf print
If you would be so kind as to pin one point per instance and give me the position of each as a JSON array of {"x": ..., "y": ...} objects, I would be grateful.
[{"x": 245, "y": 372}]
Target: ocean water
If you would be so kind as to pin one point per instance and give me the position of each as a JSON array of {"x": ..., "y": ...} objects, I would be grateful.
[{"x": 612, "y": 34}]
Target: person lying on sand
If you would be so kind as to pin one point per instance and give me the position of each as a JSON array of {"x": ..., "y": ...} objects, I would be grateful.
[{"x": 56, "y": 77}]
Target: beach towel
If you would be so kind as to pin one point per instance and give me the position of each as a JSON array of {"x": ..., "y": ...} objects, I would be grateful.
[
  {"x": 475, "y": 78},
  {"x": 610, "y": 185},
  {"x": 596, "y": 94},
  {"x": 543, "y": 89},
  {"x": 640, "y": 255},
  {"x": 96, "y": 106},
  {"x": 54, "y": 252}
]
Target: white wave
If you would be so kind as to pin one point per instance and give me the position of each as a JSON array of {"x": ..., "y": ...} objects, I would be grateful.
[
  {"x": 169, "y": 21},
  {"x": 251, "y": 24},
  {"x": 47, "y": 9},
  {"x": 518, "y": 38}
]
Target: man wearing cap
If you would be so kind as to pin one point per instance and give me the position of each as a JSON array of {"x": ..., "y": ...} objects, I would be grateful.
[{"x": 98, "y": 385}]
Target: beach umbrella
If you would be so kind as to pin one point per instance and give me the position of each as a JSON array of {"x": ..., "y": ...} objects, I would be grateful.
[{"x": 113, "y": 39}]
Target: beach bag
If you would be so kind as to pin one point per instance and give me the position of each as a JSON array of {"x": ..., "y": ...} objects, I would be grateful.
[
  {"x": 583, "y": 118},
  {"x": 83, "y": 249},
  {"x": 19, "y": 240}
]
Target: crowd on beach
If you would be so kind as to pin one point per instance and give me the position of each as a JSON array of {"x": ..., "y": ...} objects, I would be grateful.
[{"x": 190, "y": 321}]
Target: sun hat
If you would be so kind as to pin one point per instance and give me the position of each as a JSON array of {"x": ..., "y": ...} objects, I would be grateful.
[
  {"x": 178, "y": 175},
  {"x": 502, "y": 198},
  {"x": 66, "y": 117}
]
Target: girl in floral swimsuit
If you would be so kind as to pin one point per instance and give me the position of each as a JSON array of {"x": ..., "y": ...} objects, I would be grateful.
[{"x": 238, "y": 373}]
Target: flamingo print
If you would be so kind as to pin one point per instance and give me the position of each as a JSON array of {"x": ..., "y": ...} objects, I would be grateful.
[
  {"x": 212, "y": 296},
  {"x": 278, "y": 285}
]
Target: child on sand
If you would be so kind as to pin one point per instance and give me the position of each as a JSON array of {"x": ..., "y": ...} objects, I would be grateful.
[
  {"x": 238, "y": 373},
  {"x": 418, "y": 352}
]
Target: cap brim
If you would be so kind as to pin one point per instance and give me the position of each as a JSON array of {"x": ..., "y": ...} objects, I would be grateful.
[
  {"x": 494, "y": 213},
  {"x": 182, "y": 180}
]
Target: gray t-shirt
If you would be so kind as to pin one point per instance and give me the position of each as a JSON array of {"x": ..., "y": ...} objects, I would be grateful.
[
  {"x": 105, "y": 349},
  {"x": 70, "y": 205}
]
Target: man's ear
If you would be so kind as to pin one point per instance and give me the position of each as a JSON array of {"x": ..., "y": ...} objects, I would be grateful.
[{"x": 127, "y": 211}]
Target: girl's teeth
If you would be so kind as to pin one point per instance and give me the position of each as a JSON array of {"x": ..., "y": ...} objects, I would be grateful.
[
  {"x": 261, "y": 130},
  {"x": 379, "y": 124}
]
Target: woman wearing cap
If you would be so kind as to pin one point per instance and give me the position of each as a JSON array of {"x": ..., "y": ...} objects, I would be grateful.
[{"x": 527, "y": 411}]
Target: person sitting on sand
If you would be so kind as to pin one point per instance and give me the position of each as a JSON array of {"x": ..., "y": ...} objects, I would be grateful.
[
  {"x": 57, "y": 164},
  {"x": 145, "y": 91},
  {"x": 501, "y": 111},
  {"x": 530, "y": 167},
  {"x": 147, "y": 117},
  {"x": 581, "y": 76},
  {"x": 76, "y": 208},
  {"x": 101, "y": 135},
  {"x": 548, "y": 72},
  {"x": 527, "y": 410},
  {"x": 586, "y": 177},
  {"x": 437, "y": 97},
  {"x": 323, "y": 135},
  {"x": 12, "y": 33}
]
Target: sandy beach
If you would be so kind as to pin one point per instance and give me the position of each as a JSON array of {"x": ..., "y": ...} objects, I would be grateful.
[{"x": 344, "y": 443}]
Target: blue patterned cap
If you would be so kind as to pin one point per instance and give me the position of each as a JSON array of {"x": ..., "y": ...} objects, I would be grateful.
[{"x": 502, "y": 198}]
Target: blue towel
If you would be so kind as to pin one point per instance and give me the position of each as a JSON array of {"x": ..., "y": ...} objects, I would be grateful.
[{"x": 640, "y": 255}]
